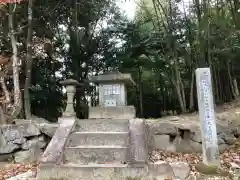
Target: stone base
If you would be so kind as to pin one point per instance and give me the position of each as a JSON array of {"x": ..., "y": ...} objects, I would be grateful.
[
  {"x": 101, "y": 172},
  {"x": 117, "y": 112}
]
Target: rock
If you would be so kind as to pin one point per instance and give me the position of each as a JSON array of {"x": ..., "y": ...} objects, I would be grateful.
[
  {"x": 8, "y": 148},
  {"x": 182, "y": 145},
  {"x": 6, "y": 157},
  {"x": 222, "y": 147},
  {"x": 162, "y": 142},
  {"x": 196, "y": 147},
  {"x": 36, "y": 141},
  {"x": 160, "y": 169},
  {"x": 24, "y": 176},
  {"x": 196, "y": 136},
  {"x": 221, "y": 128},
  {"x": 236, "y": 131},
  {"x": 220, "y": 140},
  {"x": 228, "y": 138},
  {"x": 31, "y": 155},
  {"x": 48, "y": 128},
  {"x": 164, "y": 128},
  {"x": 29, "y": 130},
  {"x": 181, "y": 169},
  {"x": 19, "y": 141},
  {"x": 187, "y": 146},
  {"x": 13, "y": 132}
]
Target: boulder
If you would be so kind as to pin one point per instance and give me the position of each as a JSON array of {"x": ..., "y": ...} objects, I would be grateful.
[
  {"x": 160, "y": 128},
  {"x": 187, "y": 133},
  {"x": 187, "y": 146},
  {"x": 27, "y": 156},
  {"x": 6, "y": 157},
  {"x": 220, "y": 140},
  {"x": 48, "y": 128},
  {"x": 8, "y": 148},
  {"x": 35, "y": 142},
  {"x": 222, "y": 147},
  {"x": 13, "y": 132},
  {"x": 229, "y": 138}
]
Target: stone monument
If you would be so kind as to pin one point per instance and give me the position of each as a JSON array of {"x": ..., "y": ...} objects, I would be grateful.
[
  {"x": 112, "y": 96},
  {"x": 207, "y": 117}
]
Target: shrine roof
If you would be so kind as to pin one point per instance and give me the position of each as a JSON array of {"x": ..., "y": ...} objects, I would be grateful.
[{"x": 112, "y": 77}]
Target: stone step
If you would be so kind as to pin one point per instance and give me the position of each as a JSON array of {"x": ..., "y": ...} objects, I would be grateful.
[
  {"x": 98, "y": 138},
  {"x": 109, "y": 125},
  {"x": 91, "y": 172},
  {"x": 96, "y": 154}
]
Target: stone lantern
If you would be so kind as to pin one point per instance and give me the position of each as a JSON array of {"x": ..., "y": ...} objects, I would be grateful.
[
  {"x": 70, "y": 85},
  {"x": 112, "y": 96}
]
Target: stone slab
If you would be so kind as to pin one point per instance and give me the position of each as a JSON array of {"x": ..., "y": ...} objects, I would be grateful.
[
  {"x": 138, "y": 141},
  {"x": 54, "y": 150},
  {"x": 98, "y": 138},
  {"x": 107, "y": 125},
  {"x": 117, "y": 112},
  {"x": 99, "y": 172},
  {"x": 95, "y": 154}
]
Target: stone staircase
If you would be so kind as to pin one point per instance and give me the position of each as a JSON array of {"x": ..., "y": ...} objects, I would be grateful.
[
  {"x": 98, "y": 141},
  {"x": 94, "y": 149}
]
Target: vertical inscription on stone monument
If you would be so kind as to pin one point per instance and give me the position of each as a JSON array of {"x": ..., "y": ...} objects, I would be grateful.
[{"x": 207, "y": 116}]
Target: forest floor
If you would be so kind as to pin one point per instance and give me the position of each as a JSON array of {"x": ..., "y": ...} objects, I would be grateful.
[{"x": 230, "y": 159}]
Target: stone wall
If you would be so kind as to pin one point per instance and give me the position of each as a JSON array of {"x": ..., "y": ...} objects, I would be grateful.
[
  {"x": 180, "y": 134},
  {"x": 24, "y": 141}
]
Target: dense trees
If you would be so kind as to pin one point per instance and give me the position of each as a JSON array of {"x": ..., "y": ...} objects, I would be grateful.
[
  {"x": 45, "y": 41},
  {"x": 177, "y": 38}
]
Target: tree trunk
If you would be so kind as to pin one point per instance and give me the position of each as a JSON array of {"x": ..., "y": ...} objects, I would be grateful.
[
  {"x": 27, "y": 101},
  {"x": 215, "y": 84},
  {"x": 179, "y": 95},
  {"x": 230, "y": 81},
  {"x": 16, "y": 108},
  {"x": 235, "y": 84},
  {"x": 140, "y": 91},
  {"x": 219, "y": 87},
  {"x": 180, "y": 90},
  {"x": 182, "y": 93},
  {"x": 191, "y": 100}
]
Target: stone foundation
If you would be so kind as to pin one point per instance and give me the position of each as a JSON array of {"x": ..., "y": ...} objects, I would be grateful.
[{"x": 183, "y": 135}]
